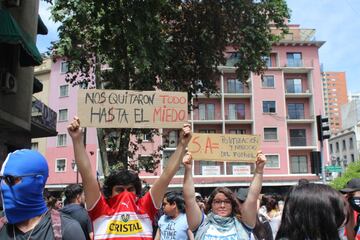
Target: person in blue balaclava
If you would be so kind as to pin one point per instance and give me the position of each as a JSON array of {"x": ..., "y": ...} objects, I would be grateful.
[{"x": 23, "y": 177}]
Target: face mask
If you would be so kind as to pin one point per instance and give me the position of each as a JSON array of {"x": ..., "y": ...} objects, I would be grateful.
[
  {"x": 123, "y": 200},
  {"x": 24, "y": 200},
  {"x": 355, "y": 203}
]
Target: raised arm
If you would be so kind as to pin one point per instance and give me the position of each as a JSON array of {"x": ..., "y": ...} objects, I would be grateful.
[
  {"x": 249, "y": 210},
  {"x": 193, "y": 212},
  {"x": 91, "y": 187},
  {"x": 160, "y": 186}
]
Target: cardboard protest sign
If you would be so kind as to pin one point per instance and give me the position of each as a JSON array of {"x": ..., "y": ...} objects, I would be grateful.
[
  {"x": 224, "y": 147},
  {"x": 132, "y": 109}
]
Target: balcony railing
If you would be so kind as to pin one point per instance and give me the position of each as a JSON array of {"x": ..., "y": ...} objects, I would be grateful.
[
  {"x": 297, "y": 141},
  {"x": 294, "y": 63},
  {"x": 43, "y": 117}
]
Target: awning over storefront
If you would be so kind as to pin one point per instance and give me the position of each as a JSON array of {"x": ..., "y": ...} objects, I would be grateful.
[
  {"x": 11, "y": 33},
  {"x": 41, "y": 29}
]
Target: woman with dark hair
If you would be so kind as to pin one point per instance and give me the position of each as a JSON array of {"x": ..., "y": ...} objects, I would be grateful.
[
  {"x": 173, "y": 224},
  {"x": 223, "y": 208},
  {"x": 313, "y": 211}
]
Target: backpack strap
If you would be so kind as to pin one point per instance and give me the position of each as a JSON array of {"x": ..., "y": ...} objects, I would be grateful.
[{"x": 56, "y": 224}]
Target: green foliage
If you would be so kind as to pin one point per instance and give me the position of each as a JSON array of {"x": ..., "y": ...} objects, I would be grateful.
[
  {"x": 163, "y": 44},
  {"x": 352, "y": 171}
]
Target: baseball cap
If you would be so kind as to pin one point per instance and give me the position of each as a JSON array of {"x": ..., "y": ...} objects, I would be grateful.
[
  {"x": 198, "y": 195},
  {"x": 352, "y": 186},
  {"x": 242, "y": 194}
]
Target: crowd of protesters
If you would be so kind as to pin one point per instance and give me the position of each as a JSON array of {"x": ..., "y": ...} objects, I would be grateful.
[{"x": 121, "y": 209}]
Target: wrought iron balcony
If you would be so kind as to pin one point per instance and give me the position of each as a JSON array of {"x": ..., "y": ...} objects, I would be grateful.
[{"x": 43, "y": 120}]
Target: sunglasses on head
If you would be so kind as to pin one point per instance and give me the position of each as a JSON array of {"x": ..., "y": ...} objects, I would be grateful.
[{"x": 13, "y": 180}]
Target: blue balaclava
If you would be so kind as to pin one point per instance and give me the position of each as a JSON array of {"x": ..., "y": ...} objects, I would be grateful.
[{"x": 24, "y": 200}]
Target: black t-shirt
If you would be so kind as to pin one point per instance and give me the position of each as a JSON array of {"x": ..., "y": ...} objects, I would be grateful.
[
  {"x": 79, "y": 214},
  {"x": 70, "y": 229}
]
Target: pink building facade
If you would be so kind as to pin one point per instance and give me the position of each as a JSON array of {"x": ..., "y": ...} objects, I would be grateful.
[{"x": 280, "y": 105}]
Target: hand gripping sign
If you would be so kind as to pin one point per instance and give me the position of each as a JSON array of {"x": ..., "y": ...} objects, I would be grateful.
[
  {"x": 132, "y": 109},
  {"x": 224, "y": 147}
]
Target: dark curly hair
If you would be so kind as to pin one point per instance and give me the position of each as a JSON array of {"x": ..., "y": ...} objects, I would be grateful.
[
  {"x": 229, "y": 194},
  {"x": 121, "y": 177}
]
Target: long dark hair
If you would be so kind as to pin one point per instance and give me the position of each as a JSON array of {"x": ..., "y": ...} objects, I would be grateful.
[
  {"x": 312, "y": 211},
  {"x": 229, "y": 194}
]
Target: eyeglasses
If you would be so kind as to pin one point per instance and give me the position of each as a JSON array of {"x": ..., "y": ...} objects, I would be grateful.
[
  {"x": 220, "y": 202},
  {"x": 13, "y": 180}
]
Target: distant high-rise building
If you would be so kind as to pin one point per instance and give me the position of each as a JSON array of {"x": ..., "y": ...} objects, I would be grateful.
[{"x": 335, "y": 95}]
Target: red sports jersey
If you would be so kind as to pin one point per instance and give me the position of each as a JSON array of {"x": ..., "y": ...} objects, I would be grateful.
[{"x": 122, "y": 217}]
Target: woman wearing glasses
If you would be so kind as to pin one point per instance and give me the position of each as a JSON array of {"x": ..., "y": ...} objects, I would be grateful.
[{"x": 221, "y": 221}]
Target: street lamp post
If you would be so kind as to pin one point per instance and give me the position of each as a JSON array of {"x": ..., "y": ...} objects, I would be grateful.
[{"x": 73, "y": 165}]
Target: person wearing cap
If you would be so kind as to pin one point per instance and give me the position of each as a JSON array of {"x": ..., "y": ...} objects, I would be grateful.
[
  {"x": 352, "y": 195},
  {"x": 200, "y": 201},
  {"x": 23, "y": 178},
  {"x": 262, "y": 229}
]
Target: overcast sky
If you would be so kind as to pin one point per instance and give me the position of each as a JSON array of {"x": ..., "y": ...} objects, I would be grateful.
[{"x": 337, "y": 22}]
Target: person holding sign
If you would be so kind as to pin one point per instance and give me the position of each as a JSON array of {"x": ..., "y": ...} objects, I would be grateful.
[
  {"x": 223, "y": 208},
  {"x": 121, "y": 213}
]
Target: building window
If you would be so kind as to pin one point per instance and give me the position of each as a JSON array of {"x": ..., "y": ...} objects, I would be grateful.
[
  {"x": 267, "y": 60},
  {"x": 173, "y": 138},
  {"x": 237, "y": 131},
  {"x": 269, "y": 107},
  {"x": 270, "y": 134},
  {"x": 206, "y": 111},
  {"x": 331, "y": 148},
  {"x": 352, "y": 158},
  {"x": 294, "y": 59},
  {"x": 61, "y": 140},
  {"x": 63, "y": 115},
  {"x": 145, "y": 162},
  {"x": 351, "y": 143},
  {"x": 235, "y": 86},
  {"x": 296, "y": 111},
  {"x": 297, "y": 137},
  {"x": 60, "y": 165},
  {"x": 207, "y": 131},
  {"x": 64, "y": 67},
  {"x": 34, "y": 146},
  {"x": 343, "y": 145},
  {"x": 267, "y": 81},
  {"x": 236, "y": 111},
  {"x": 272, "y": 161},
  {"x": 64, "y": 90},
  {"x": 299, "y": 164},
  {"x": 337, "y": 147},
  {"x": 294, "y": 86}
]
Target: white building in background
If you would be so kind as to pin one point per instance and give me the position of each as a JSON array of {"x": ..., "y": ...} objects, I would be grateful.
[
  {"x": 353, "y": 96},
  {"x": 344, "y": 145}
]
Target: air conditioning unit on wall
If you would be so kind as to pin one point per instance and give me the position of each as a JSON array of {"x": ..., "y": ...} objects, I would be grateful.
[{"x": 8, "y": 83}]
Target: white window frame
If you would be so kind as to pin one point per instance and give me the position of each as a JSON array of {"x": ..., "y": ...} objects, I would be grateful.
[
  {"x": 263, "y": 81},
  {"x": 269, "y": 112},
  {"x": 56, "y": 164},
  {"x": 272, "y": 139},
  {"x": 278, "y": 161},
  {"x": 57, "y": 140},
  {"x": 67, "y": 115},
  {"x": 62, "y": 68},
  {"x": 67, "y": 86}
]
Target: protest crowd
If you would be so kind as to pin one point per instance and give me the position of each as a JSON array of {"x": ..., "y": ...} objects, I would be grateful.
[{"x": 120, "y": 209}]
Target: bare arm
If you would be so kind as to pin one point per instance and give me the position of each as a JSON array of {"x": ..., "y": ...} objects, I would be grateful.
[
  {"x": 193, "y": 213},
  {"x": 160, "y": 186},
  {"x": 91, "y": 187},
  {"x": 157, "y": 236},
  {"x": 249, "y": 209},
  {"x": 190, "y": 234}
]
